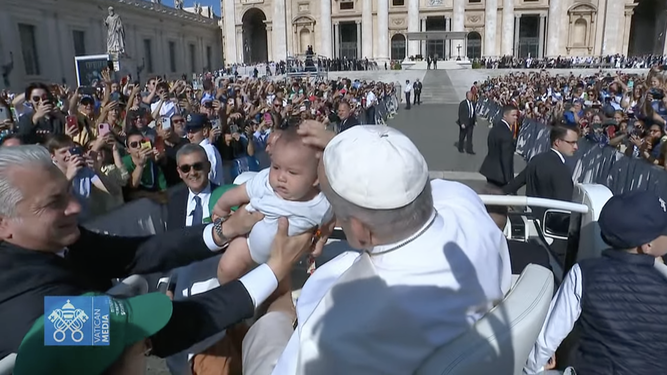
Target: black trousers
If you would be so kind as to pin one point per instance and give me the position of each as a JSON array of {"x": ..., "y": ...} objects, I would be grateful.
[
  {"x": 465, "y": 137},
  {"x": 407, "y": 100},
  {"x": 418, "y": 98}
]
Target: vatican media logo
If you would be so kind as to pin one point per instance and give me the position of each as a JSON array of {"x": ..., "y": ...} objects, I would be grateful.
[{"x": 76, "y": 321}]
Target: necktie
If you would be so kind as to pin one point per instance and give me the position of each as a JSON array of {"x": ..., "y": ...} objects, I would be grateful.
[
  {"x": 198, "y": 212},
  {"x": 469, "y": 109}
]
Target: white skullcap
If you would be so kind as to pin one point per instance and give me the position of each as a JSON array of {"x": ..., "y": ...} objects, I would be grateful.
[{"x": 375, "y": 166}]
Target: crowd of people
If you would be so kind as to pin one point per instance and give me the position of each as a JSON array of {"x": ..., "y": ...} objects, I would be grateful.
[
  {"x": 123, "y": 138},
  {"x": 625, "y": 111},
  {"x": 574, "y": 62}
]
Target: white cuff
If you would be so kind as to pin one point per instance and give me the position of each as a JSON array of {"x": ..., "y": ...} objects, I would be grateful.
[
  {"x": 208, "y": 238},
  {"x": 260, "y": 283}
]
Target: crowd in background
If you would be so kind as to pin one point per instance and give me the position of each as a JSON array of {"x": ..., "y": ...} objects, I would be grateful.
[
  {"x": 118, "y": 142},
  {"x": 625, "y": 111},
  {"x": 566, "y": 62}
]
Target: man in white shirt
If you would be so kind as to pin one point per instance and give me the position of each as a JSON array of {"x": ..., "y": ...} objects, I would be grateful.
[
  {"x": 371, "y": 101},
  {"x": 197, "y": 127},
  {"x": 432, "y": 263},
  {"x": 408, "y": 91}
]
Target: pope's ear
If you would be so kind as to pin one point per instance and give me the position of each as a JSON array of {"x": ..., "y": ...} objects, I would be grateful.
[{"x": 5, "y": 228}]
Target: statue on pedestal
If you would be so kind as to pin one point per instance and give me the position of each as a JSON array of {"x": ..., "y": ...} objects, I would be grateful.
[
  {"x": 115, "y": 33},
  {"x": 178, "y": 4}
]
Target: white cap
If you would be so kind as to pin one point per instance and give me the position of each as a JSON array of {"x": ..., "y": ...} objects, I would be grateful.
[{"x": 375, "y": 166}]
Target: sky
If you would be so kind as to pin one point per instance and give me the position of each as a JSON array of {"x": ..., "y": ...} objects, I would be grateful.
[{"x": 190, "y": 3}]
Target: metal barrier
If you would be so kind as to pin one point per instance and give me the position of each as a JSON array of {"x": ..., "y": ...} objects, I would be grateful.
[
  {"x": 592, "y": 163},
  {"x": 386, "y": 109}
]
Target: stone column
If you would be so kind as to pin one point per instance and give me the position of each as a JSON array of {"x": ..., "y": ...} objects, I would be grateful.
[
  {"x": 423, "y": 42},
  {"x": 413, "y": 26},
  {"x": 325, "y": 28},
  {"x": 540, "y": 47},
  {"x": 359, "y": 40},
  {"x": 229, "y": 31},
  {"x": 507, "y": 44},
  {"x": 517, "y": 33},
  {"x": 367, "y": 29},
  {"x": 271, "y": 44},
  {"x": 239, "y": 45},
  {"x": 336, "y": 51},
  {"x": 279, "y": 32},
  {"x": 490, "y": 28},
  {"x": 626, "y": 33},
  {"x": 613, "y": 28},
  {"x": 383, "y": 30},
  {"x": 457, "y": 24},
  {"x": 553, "y": 30}
]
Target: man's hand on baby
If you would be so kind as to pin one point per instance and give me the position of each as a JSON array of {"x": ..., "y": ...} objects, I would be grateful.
[
  {"x": 322, "y": 237},
  {"x": 287, "y": 250},
  {"x": 315, "y": 134},
  {"x": 238, "y": 224}
]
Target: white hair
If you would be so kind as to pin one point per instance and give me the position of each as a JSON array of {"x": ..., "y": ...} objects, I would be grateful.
[
  {"x": 393, "y": 224},
  {"x": 27, "y": 156}
]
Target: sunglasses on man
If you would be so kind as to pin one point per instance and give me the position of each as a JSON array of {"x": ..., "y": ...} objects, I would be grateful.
[{"x": 198, "y": 166}]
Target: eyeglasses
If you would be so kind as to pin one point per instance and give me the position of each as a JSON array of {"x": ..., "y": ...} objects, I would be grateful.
[
  {"x": 178, "y": 121},
  {"x": 40, "y": 98},
  {"x": 570, "y": 142},
  {"x": 198, "y": 166}
]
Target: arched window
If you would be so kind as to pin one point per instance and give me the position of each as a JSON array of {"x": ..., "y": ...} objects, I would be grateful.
[
  {"x": 398, "y": 47},
  {"x": 474, "y": 45}
]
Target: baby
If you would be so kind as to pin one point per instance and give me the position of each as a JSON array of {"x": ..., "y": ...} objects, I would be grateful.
[{"x": 289, "y": 188}]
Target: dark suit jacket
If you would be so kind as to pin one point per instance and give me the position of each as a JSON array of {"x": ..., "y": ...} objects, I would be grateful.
[
  {"x": 348, "y": 123},
  {"x": 417, "y": 86},
  {"x": 464, "y": 114},
  {"x": 498, "y": 164},
  {"x": 545, "y": 176},
  {"x": 27, "y": 276},
  {"x": 177, "y": 205}
]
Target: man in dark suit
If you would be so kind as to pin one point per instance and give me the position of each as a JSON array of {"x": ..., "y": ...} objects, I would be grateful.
[
  {"x": 466, "y": 122},
  {"x": 417, "y": 88},
  {"x": 498, "y": 165},
  {"x": 188, "y": 205},
  {"x": 521, "y": 253},
  {"x": 347, "y": 120},
  {"x": 43, "y": 252},
  {"x": 546, "y": 175}
]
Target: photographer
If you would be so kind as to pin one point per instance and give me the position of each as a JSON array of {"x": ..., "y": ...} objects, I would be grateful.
[{"x": 44, "y": 119}]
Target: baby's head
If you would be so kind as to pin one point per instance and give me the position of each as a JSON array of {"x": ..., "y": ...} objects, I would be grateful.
[{"x": 293, "y": 174}]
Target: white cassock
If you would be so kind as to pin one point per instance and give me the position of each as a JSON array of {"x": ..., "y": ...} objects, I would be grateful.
[{"x": 385, "y": 313}]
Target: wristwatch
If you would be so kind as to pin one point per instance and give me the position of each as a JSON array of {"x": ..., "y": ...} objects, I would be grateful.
[{"x": 217, "y": 227}]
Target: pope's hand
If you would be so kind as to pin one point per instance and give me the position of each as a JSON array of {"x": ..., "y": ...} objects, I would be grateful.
[
  {"x": 323, "y": 236},
  {"x": 315, "y": 134},
  {"x": 287, "y": 250}
]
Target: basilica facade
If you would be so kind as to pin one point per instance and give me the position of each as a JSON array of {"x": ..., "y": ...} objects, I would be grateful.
[{"x": 272, "y": 30}]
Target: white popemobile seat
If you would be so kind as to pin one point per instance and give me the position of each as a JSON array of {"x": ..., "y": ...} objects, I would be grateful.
[{"x": 500, "y": 342}]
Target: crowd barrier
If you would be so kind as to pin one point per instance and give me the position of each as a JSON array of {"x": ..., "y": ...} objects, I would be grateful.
[
  {"x": 386, "y": 108},
  {"x": 592, "y": 163}
]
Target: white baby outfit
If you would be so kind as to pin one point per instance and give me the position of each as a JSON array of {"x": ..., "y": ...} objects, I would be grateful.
[{"x": 302, "y": 215}]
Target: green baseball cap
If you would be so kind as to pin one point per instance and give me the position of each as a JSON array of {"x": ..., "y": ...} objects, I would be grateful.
[{"x": 130, "y": 321}]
